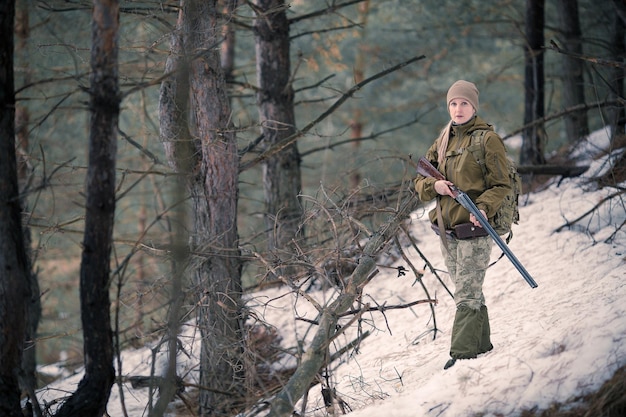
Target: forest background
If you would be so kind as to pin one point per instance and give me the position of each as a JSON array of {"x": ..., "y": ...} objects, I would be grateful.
[{"x": 361, "y": 154}]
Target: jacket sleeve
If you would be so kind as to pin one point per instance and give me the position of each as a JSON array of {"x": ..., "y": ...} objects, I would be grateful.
[
  {"x": 497, "y": 180},
  {"x": 425, "y": 186}
]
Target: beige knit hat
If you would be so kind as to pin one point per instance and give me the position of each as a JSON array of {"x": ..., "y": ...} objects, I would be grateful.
[{"x": 463, "y": 89}]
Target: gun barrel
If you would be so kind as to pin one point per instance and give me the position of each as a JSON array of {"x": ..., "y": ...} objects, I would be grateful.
[{"x": 467, "y": 202}]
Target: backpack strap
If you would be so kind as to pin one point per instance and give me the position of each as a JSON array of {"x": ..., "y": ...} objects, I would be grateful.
[{"x": 478, "y": 138}]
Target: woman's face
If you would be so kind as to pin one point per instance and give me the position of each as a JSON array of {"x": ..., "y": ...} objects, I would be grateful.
[{"x": 460, "y": 110}]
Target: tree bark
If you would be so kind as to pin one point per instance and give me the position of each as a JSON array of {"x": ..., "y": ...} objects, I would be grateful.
[
  {"x": 281, "y": 171},
  {"x": 617, "y": 116},
  {"x": 14, "y": 283},
  {"x": 361, "y": 60},
  {"x": 532, "y": 152},
  {"x": 214, "y": 194},
  {"x": 228, "y": 45},
  {"x": 179, "y": 150},
  {"x": 576, "y": 124},
  {"x": 201, "y": 144},
  {"x": 28, "y": 380},
  {"x": 93, "y": 391}
]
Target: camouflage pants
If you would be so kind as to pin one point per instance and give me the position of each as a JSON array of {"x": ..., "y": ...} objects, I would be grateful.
[{"x": 467, "y": 262}]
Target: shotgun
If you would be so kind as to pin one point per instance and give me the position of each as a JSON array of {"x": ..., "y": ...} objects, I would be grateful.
[{"x": 426, "y": 169}]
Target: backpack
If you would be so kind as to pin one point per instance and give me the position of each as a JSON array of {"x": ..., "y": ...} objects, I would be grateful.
[{"x": 508, "y": 213}]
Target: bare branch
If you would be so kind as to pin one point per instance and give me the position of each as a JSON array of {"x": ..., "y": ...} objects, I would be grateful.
[
  {"x": 384, "y": 308},
  {"x": 609, "y": 197},
  {"x": 372, "y": 136},
  {"x": 594, "y": 60},
  {"x": 430, "y": 266},
  {"x": 345, "y": 96},
  {"x": 564, "y": 112},
  {"x": 314, "y": 357},
  {"x": 328, "y": 10}
]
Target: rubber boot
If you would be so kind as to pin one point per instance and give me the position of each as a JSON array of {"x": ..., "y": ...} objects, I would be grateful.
[
  {"x": 485, "y": 340},
  {"x": 466, "y": 333}
]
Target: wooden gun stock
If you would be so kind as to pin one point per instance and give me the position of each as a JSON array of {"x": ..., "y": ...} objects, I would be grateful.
[{"x": 426, "y": 169}]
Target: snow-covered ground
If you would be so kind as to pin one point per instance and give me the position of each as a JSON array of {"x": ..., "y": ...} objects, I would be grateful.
[{"x": 552, "y": 343}]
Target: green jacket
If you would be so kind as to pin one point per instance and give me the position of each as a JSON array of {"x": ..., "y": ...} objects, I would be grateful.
[{"x": 460, "y": 167}]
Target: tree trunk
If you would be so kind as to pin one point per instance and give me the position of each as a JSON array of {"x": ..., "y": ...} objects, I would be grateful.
[
  {"x": 281, "y": 171},
  {"x": 179, "y": 150},
  {"x": 534, "y": 137},
  {"x": 204, "y": 148},
  {"x": 361, "y": 60},
  {"x": 14, "y": 284},
  {"x": 617, "y": 116},
  {"x": 214, "y": 194},
  {"x": 93, "y": 391},
  {"x": 228, "y": 45},
  {"x": 576, "y": 124},
  {"x": 22, "y": 58}
]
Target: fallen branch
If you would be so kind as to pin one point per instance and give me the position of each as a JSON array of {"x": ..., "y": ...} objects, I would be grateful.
[
  {"x": 384, "y": 308},
  {"x": 313, "y": 359},
  {"x": 563, "y": 170},
  {"x": 591, "y": 210}
]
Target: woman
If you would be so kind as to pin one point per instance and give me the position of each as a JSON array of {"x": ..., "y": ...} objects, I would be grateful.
[{"x": 457, "y": 153}]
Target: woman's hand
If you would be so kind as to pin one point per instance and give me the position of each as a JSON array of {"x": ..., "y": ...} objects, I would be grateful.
[
  {"x": 442, "y": 187},
  {"x": 475, "y": 221}
]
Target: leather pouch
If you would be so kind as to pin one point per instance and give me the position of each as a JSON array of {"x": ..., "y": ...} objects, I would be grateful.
[{"x": 468, "y": 231}]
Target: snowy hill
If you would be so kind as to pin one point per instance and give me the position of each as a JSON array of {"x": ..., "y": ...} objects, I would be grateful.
[{"x": 562, "y": 339}]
